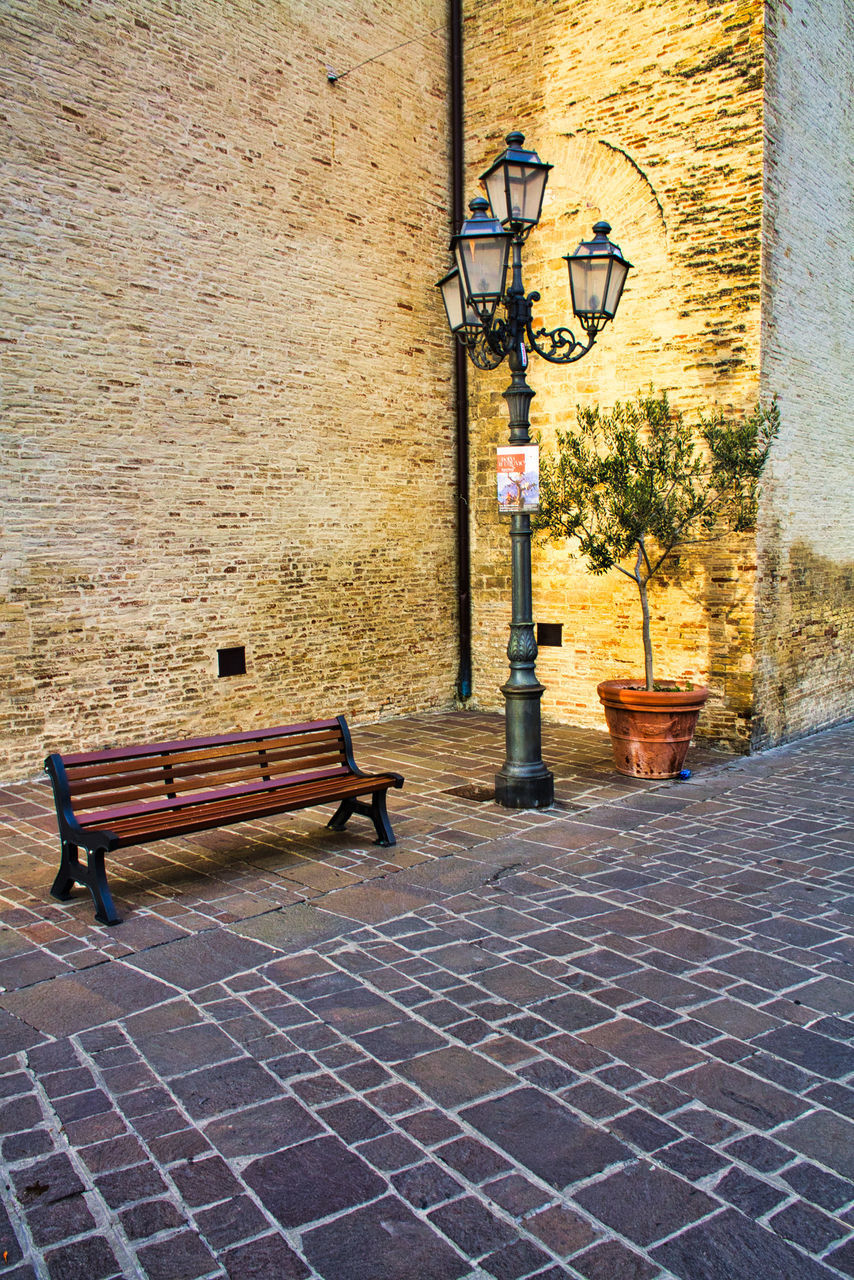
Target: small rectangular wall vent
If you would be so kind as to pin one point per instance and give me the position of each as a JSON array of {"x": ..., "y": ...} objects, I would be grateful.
[
  {"x": 549, "y": 633},
  {"x": 231, "y": 662}
]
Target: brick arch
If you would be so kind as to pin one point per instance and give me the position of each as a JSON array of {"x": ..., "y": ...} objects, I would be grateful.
[
  {"x": 606, "y": 176},
  {"x": 593, "y": 178}
]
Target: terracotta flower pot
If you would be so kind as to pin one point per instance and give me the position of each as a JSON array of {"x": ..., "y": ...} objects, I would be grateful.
[{"x": 650, "y": 731}]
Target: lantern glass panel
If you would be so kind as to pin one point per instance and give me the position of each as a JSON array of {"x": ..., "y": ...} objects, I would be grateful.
[
  {"x": 619, "y": 271},
  {"x": 516, "y": 192},
  {"x": 588, "y": 282},
  {"x": 453, "y": 300},
  {"x": 482, "y": 264},
  {"x": 460, "y": 314}
]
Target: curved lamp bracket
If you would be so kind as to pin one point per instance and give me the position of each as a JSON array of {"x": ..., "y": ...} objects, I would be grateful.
[
  {"x": 562, "y": 345},
  {"x": 484, "y": 351}
]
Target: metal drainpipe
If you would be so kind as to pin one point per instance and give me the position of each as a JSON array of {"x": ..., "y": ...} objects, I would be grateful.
[{"x": 464, "y": 675}]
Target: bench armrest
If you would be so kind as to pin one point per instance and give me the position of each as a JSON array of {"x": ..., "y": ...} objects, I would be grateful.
[
  {"x": 351, "y": 763},
  {"x": 347, "y": 742},
  {"x": 69, "y": 828}
]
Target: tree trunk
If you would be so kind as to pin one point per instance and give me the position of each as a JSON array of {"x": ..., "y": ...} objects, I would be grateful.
[{"x": 641, "y": 580}]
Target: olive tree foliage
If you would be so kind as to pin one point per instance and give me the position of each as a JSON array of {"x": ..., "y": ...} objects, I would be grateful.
[{"x": 635, "y": 486}]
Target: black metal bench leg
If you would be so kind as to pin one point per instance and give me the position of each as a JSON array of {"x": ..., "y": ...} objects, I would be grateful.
[
  {"x": 105, "y": 912},
  {"x": 93, "y": 875},
  {"x": 376, "y": 811},
  {"x": 380, "y": 819},
  {"x": 69, "y": 873},
  {"x": 342, "y": 815}
]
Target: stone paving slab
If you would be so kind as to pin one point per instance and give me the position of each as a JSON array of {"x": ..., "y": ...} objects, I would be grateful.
[{"x": 611, "y": 1040}]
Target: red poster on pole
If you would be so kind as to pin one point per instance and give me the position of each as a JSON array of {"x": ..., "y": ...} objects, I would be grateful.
[{"x": 519, "y": 477}]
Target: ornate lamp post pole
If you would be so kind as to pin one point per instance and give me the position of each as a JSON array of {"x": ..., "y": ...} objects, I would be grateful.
[{"x": 492, "y": 319}]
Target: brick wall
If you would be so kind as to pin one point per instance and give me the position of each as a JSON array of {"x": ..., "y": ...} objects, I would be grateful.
[
  {"x": 805, "y": 623},
  {"x": 652, "y": 117},
  {"x": 226, "y": 378}
]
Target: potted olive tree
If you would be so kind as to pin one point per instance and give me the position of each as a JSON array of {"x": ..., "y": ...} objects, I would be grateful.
[{"x": 631, "y": 489}]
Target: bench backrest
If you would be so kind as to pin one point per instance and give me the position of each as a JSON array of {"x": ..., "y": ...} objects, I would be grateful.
[{"x": 99, "y": 780}]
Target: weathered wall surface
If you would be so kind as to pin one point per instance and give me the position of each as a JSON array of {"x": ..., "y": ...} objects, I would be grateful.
[
  {"x": 805, "y": 620},
  {"x": 652, "y": 117},
  {"x": 226, "y": 380}
]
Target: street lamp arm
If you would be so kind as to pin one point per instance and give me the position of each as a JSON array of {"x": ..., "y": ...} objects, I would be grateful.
[
  {"x": 563, "y": 346},
  {"x": 484, "y": 353}
]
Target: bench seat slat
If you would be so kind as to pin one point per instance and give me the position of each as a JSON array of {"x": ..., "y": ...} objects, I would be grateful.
[
  {"x": 116, "y": 762},
  {"x": 191, "y": 744},
  {"x": 219, "y": 813},
  {"x": 83, "y": 779},
  {"x": 106, "y": 816},
  {"x": 141, "y": 787}
]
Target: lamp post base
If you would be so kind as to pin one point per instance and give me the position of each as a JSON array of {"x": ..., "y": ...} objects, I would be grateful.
[{"x": 525, "y": 789}]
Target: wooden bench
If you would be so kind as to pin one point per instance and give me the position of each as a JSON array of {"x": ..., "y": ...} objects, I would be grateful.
[{"x": 106, "y": 800}]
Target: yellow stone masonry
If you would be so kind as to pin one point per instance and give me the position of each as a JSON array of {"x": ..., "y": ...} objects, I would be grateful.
[
  {"x": 226, "y": 385},
  {"x": 652, "y": 117}
]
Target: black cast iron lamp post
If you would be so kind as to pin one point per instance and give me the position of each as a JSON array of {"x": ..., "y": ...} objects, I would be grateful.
[{"x": 492, "y": 319}]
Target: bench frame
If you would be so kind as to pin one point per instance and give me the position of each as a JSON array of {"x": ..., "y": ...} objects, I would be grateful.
[{"x": 163, "y": 813}]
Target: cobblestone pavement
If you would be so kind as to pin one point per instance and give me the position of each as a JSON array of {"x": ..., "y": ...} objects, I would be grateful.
[{"x": 611, "y": 1040}]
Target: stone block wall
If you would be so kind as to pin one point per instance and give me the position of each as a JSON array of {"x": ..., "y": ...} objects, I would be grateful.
[
  {"x": 805, "y": 619},
  {"x": 652, "y": 117},
  {"x": 226, "y": 381}
]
